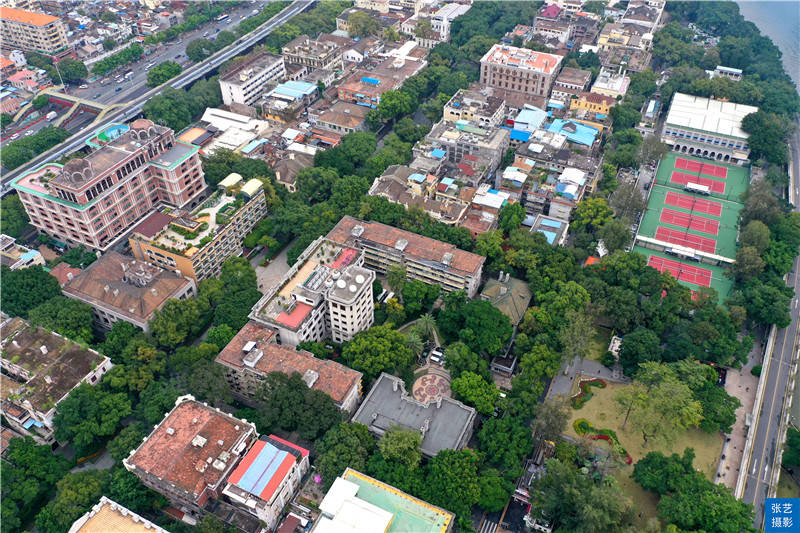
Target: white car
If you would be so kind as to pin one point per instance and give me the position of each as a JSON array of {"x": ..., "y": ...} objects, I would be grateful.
[
  {"x": 84, "y": 86},
  {"x": 29, "y": 133},
  {"x": 14, "y": 137}
]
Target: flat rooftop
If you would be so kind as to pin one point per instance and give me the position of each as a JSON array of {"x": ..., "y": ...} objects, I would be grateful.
[
  {"x": 388, "y": 405},
  {"x": 110, "y": 517},
  {"x": 250, "y": 65},
  {"x": 263, "y": 469},
  {"x": 522, "y": 58},
  {"x": 708, "y": 114}
]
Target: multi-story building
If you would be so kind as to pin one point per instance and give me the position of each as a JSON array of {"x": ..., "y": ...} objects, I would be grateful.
[
  {"x": 385, "y": 6},
  {"x": 32, "y": 32},
  {"x": 625, "y": 36},
  {"x": 442, "y": 19},
  {"x": 731, "y": 73},
  {"x": 611, "y": 84},
  {"x": 195, "y": 243},
  {"x": 519, "y": 69},
  {"x": 560, "y": 29},
  {"x": 287, "y": 101},
  {"x": 706, "y": 127},
  {"x": 118, "y": 287},
  {"x": 570, "y": 82},
  {"x": 644, "y": 14},
  {"x": 267, "y": 479},
  {"x": 475, "y": 106},
  {"x": 253, "y": 354},
  {"x": 313, "y": 53},
  {"x": 92, "y": 200},
  {"x": 327, "y": 293},
  {"x": 16, "y": 256},
  {"x": 365, "y": 87},
  {"x": 357, "y": 503},
  {"x": 44, "y": 367},
  {"x": 343, "y": 118},
  {"x": 594, "y": 102},
  {"x": 425, "y": 259},
  {"x": 249, "y": 78},
  {"x": 461, "y": 139},
  {"x": 108, "y": 515},
  {"x": 188, "y": 457},
  {"x": 445, "y": 423}
]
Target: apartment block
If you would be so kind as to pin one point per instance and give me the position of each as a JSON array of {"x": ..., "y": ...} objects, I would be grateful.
[
  {"x": 475, "y": 106},
  {"x": 425, "y": 259},
  {"x": 40, "y": 370},
  {"x": 313, "y": 53},
  {"x": 365, "y": 87},
  {"x": 519, "y": 69},
  {"x": 326, "y": 294},
  {"x": 195, "y": 243},
  {"x": 92, "y": 200},
  {"x": 250, "y": 77},
  {"x": 444, "y": 17},
  {"x": 189, "y": 456},
  {"x": 32, "y": 32},
  {"x": 118, "y": 287},
  {"x": 570, "y": 82},
  {"x": 267, "y": 479},
  {"x": 253, "y": 354}
]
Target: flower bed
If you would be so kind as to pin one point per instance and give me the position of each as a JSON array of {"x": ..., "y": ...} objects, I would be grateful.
[
  {"x": 585, "y": 394},
  {"x": 584, "y": 427}
]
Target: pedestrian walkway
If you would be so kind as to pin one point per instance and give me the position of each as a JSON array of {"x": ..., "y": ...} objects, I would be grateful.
[{"x": 562, "y": 384}]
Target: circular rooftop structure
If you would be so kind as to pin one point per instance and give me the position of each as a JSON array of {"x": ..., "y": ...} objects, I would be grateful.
[
  {"x": 77, "y": 170},
  {"x": 143, "y": 129}
]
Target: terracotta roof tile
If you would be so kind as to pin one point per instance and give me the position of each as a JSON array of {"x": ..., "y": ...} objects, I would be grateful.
[{"x": 26, "y": 17}]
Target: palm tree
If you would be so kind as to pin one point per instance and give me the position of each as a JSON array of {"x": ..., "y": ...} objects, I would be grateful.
[
  {"x": 426, "y": 325},
  {"x": 414, "y": 343}
]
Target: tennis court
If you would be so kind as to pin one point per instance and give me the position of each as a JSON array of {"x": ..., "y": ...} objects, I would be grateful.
[
  {"x": 685, "y": 220},
  {"x": 684, "y": 238},
  {"x": 701, "y": 167},
  {"x": 681, "y": 178},
  {"x": 722, "y": 284},
  {"x": 691, "y": 203},
  {"x": 682, "y": 271}
]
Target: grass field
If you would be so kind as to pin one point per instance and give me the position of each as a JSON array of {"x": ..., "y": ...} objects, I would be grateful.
[
  {"x": 602, "y": 412},
  {"x": 787, "y": 488},
  {"x": 599, "y": 343}
]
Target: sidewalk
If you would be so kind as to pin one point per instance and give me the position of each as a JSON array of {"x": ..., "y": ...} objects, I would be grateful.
[{"x": 562, "y": 384}]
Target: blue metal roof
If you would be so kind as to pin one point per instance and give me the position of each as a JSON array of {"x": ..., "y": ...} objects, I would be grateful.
[
  {"x": 583, "y": 134},
  {"x": 551, "y": 223},
  {"x": 447, "y": 181},
  {"x": 419, "y": 178},
  {"x": 438, "y": 153},
  {"x": 519, "y": 135}
]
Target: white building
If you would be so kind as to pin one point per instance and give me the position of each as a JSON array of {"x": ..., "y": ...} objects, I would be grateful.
[
  {"x": 16, "y": 256},
  {"x": 442, "y": 19},
  {"x": 248, "y": 80},
  {"x": 706, "y": 127}
]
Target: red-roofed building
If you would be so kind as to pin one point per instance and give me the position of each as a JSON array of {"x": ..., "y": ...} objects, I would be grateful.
[
  {"x": 519, "y": 70},
  {"x": 64, "y": 273},
  {"x": 189, "y": 456},
  {"x": 267, "y": 478}
]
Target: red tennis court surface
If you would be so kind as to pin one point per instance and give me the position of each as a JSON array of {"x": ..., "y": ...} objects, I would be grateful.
[
  {"x": 691, "y": 203},
  {"x": 683, "y": 238},
  {"x": 682, "y": 178},
  {"x": 703, "y": 168},
  {"x": 681, "y": 271},
  {"x": 685, "y": 220}
]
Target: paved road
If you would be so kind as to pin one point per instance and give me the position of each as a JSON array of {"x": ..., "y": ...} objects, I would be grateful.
[
  {"x": 765, "y": 444},
  {"x": 143, "y": 94}
]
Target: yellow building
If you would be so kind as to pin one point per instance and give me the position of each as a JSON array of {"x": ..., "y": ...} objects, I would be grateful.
[
  {"x": 594, "y": 102},
  {"x": 32, "y": 32},
  {"x": 195, "y": 244}
]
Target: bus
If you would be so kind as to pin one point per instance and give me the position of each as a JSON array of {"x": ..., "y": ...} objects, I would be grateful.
[
  {"x": 697, "y": 188},
  {"x": 221, "y": 18}
]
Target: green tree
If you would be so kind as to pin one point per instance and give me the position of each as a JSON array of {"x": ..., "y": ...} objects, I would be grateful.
[
  {"x": 551, "y": 419},
  {"x": 5, "y": 120},
  {"x": 474, "y": 390},
  {"x": 360, "y": 24},
  {"x": 576, "y": 335},
  {"x": 591, "y": 215},
  {"x": 69, "y": 317},
  {"x": 162, "y": 73},
  {"x": 452, "y": 481},
  {"x": 651, "y": 149},
  {"x": 199, "y": 49},
  {"x": 573, "y": 501},
  {"x": 173, "y": 323},
  {"x": 40, "y": 101},
  {"x": 791, "y": 450},
  {"x": 396, "y": 277},
  {"x": 126, "y": 489},
  {"x": 461, "y": 359},
  {"x": 419, "y": 296},
  {"x": 12, "y": 213},
  {"x": 625, "y": 116},
  {"x": 345, "y": 445},
  {"x": 637, "y": 347},
  {"x": 77, "y": 493},
  {"x": 616, "y": 234},
  {"x": 72, "y": 70},
  {"x": 494, "y": 491},
  {"x": 748, "y": 264},
  {"x": 755, "y": 234},
  {"x": 89, "y": 414},
  {"x": 767, "y": 135},
  {"x": 128, "y": 439},
  {"x": 220, "y": 336},
  {"x": 503, "y": 443},
  {"x": 379, "y": 349},
  {"x": 109, "y": 44},
  {"x": 401, "y": 445}
]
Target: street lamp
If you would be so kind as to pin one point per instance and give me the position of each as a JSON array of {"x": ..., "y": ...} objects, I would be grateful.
[{"x": 55, "y": 64}]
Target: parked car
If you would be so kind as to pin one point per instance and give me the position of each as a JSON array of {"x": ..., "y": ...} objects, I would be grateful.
[
  {"x": 14, "y": 137},
  {"x": 29, "y": 133},
  {"x": 84, "y": 86}
]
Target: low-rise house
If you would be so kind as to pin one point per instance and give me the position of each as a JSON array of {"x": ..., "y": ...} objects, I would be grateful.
[
  {"x": 524, "y": 33},
  {"x": 553, "y": 229},
  {"x": 509, "y": 295},
  {"x": 570, "y": 82},
  {"x": 286, "y": 102},
  {"x": 313, "y": 53},
  {"x": 44, "y": 368},
  {"x": 287, "y": 168},
  {"x": 253, "y": 354},
  {"x": 594, "y": 102},
  {"x": 365, "y": 87},
  {"x": 189, "y": 456},
  {"x": 444, "y": 423},
  {"x": 357, "y": 503},
  {"x": 118, "y": 287},
  {"x": 611, "y": 84},
  {"x": 344, "y": 118},
  {"x": 16, "y": 256}
]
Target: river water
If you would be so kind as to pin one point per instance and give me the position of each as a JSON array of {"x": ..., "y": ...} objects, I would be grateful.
[{"x": 780, "y": 21}]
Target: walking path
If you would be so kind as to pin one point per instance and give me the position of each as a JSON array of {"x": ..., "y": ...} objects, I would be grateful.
[{"x": 562, "y": 384}]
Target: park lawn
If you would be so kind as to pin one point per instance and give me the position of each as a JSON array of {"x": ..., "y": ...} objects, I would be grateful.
[
  {"x": 645, "y": 503},
  {"x": 599, "y": 343},
  {"x": 787, "y": 488},
  {"x": 602, "y": 412}
]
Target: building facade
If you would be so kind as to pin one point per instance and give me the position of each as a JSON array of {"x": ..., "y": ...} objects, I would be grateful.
[
  {"x": 326, "y": 294},
  {"x": 248, "y": 80},
  {"x": 434, "y": 262},
  {"x": 475, "y": 106},
  {"x": 570, "y": 82},
  {"x": 120, "y": 288},
  {"x": 312, "y": 53},
  {"x": 594, "y": 102},
  {"x": 706, "y": 127},
  {"x": 32, "y": 32},
  {"x": 91, "y": 201},
  {"x": 519, "y": 69},
  {"x": 196, "y": 243},
  {"x": 252, "y": 354},
  {"x": 16, "y": 256}
]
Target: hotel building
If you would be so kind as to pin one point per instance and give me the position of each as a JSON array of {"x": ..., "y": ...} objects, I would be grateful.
[{"x": 519, "y": 69}]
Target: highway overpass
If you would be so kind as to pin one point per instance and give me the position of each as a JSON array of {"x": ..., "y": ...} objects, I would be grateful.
[{"x": 127, "y": 111}]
